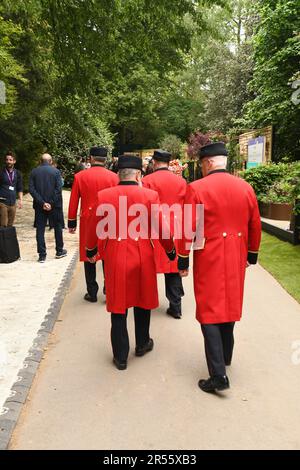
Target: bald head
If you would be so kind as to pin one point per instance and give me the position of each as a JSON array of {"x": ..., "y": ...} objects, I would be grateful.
[{"x": 46, "y": 158}]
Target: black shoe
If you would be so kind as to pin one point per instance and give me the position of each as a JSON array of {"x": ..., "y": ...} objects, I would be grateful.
[
  {"x": 42, "y": 258},
  {"x": 174, "y": 314},
  {"x": 140, "y": 351},
  {"x": 89, "y": 298},
  {"x": 61, "y": 254},
  {"x": 120, "y": 365},
  {"x": 212, "y": 384}
]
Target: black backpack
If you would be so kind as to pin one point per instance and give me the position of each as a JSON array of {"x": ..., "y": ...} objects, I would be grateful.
[{"x": 9, "y": 246}]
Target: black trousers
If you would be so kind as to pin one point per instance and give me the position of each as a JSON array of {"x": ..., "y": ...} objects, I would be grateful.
[
  {"x": 218, "y": 342},
  {"x": 174, "y": 291},
  {"x": 119, "y": 333},
  {"x": 41, "y": 218},
  {"x": 90, "y": 278}
]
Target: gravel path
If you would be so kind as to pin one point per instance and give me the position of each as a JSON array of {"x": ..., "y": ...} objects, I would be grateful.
[{"x": 26, "y": 292}]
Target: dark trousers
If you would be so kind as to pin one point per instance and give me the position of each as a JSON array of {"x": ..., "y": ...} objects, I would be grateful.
[
  {"x": 90, "y": 278},
  {"x": 119, "y": 333},
  {"x": 174, "y": 291},
  {"x": 218, "y": 342},
  {"x": 41, "y": 218}
]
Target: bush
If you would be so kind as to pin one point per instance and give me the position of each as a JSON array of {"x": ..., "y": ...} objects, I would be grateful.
[
  {"x": 281, "y": 192},
  {"x": 68, "y": 144},
  {"x": 277, "y": 183},
  {"x": 264, "y": 176},
  {"x": 172, "y": 144},
  {"x": 197, "y": 140}
]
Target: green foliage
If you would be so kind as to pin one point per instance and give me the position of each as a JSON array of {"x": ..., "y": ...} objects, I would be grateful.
[
  {"x": 131, "y": 72},
  {"x": 264, "y": 176},
  {"x": 180, "y": 115},
  {"x": 278, "y": 183},
  {"x": 73, "y": 131},
  {"x": 281, "y": 192},
  {"x": 218, "y": 68},
  {"x": 172, "y": 144},
  {"x": 276, "y": 56},
  {"x": 10, "y": 69},
  {"x": 106, "y": 61}
]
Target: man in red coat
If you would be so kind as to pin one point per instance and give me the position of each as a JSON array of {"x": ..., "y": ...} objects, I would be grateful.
[
  {"x": 130, "y": 273},
  {"x": 232, "y": 233},
  {"x": 86, "y": 185},
  {"x": 171, "y": 190}
]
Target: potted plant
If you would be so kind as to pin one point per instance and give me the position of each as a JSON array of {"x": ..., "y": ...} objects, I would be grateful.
[{"x": 279, "y": 200}]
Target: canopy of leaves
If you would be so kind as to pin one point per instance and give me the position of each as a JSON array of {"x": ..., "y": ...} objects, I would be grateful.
[
  {"x": 277, "y": 65},
  {"x": 11, "y": 71},
  {"x": 104, "y": 64},
  {"x": 128, "y": 72},
  {"x": 172, "y": 144}
]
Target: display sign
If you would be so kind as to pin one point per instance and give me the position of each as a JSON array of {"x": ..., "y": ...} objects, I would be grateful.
[{"x": 256, "y": 152}]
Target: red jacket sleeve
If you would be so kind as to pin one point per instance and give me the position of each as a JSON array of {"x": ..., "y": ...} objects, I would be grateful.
[
  {"x": 254, "y": 231},
  {"x": 189, "y": 224},
  {"x": 73, "y": 204},
  {"x": 91, "y": 233}
]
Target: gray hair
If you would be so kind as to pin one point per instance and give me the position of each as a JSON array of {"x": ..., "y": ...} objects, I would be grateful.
[
  {"x": 126, "y": 173},
  {"x": 218, "y": 160}
]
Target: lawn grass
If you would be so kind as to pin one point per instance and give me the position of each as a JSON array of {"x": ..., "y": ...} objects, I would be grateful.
[{"x": 282, "y": 260}]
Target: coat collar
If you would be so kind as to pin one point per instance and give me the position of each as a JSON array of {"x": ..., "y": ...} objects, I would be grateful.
[
  {"x": 160, "y": 169},
  {"x": 128, "y": 183},
  {"x": 217, "y": 171}
]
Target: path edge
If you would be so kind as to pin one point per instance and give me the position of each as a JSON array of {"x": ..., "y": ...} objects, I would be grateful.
[{"x": 21, "y": 388}]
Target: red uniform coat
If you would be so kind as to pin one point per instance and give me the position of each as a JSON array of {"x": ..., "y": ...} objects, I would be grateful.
[
  {"x": 232, "y": 231},
  {"x": 171, "y": 190},
  {"x": 129, "y": 265},
  {"x": 86, "y": 185}
]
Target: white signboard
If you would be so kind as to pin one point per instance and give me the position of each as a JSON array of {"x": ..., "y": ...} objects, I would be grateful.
[{"x": 256, "y": 152}]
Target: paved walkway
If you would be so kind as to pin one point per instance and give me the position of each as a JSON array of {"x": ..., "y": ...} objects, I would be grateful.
[
  {"x": 27, "y": 289},
  {"x": 80, "y": 401}
]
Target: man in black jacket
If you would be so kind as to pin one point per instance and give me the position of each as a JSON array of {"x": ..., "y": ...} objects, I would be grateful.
[
  {"x": 10, "y": 187},
  {"x": 45, "y": 187}
]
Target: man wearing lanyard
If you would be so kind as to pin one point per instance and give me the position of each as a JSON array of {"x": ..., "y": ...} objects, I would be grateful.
[{"x": 10, "y": 186}]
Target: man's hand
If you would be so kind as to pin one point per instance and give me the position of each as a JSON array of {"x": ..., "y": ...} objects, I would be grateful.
[
  {"x": 47, "y": 206},
  {"x": 172, "y": 254},
  {"x": 72, "y": 230},
  {"x": 92, "y": 260},
  {"x": 183, "y": 272},
  {"x": 20, "y": 204}
]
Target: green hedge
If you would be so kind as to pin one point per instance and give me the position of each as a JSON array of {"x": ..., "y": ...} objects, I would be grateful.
[{"x": 279, "y": 183}]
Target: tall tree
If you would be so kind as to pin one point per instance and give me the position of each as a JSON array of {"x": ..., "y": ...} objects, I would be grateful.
[
  {"x": 277, "y": 59},
  {"x": 11, "y": 71}
]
